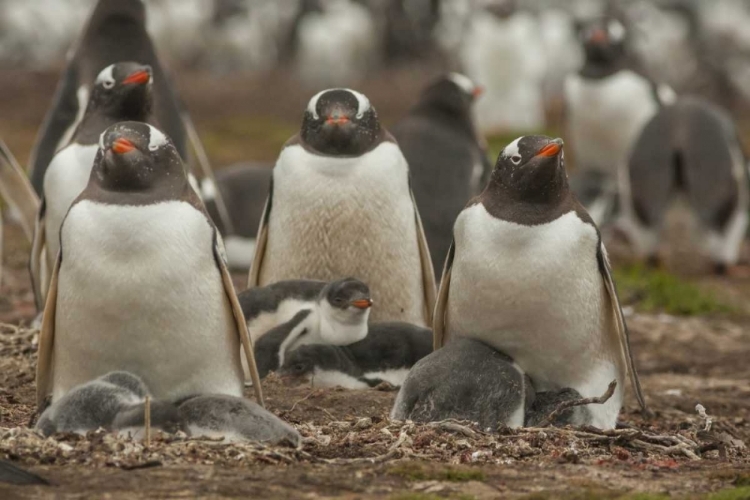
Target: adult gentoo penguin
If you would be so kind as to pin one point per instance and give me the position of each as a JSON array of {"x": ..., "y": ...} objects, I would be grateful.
[
  {"x": 445, "y": 156},
  {"x": 121, "y": 92},
  {"x": 340, "y": 205},
  {"x": 140, "y": 282},
  {"x": 528, "y": 275},
  {"x": 691, "y": 148},
  {"x": 115, "y": 31},
  {"x": 606, "y": 104}
]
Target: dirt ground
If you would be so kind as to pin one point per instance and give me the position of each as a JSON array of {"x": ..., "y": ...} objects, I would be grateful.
[{"x": 351, "y": 449}]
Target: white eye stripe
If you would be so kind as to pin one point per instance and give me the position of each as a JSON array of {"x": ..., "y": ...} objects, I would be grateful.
[
  {"x": 363, "y": 103},
  {"x": 156, "y": 138},
  {"x": 463, "y": 82},
  {"x": 106, "y": 77},
  {"x": 512, "y": 148},
  {"x": 616, "y": 30}
]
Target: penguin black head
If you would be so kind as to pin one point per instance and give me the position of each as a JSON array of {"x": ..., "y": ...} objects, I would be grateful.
[
  {"x": 531, "y": 169},
  {"x": 300, "y": 363},
  {"x": 453, "y": 93},
  {"x": 123, "y": 91},
  {"x": 604, "y": 41},
  {"x": 340, "y": 122},
  {"x": 502, "y": 9},
  {"x": 136, "y": 156},
  {"x": 350, "y": 295}
]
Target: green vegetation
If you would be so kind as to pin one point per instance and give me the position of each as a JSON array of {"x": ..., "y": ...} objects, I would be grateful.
[
  {"x": 421, "y": 472},
  {"x": 653, "y": 290},
  {"x": 742, "y": 493}
]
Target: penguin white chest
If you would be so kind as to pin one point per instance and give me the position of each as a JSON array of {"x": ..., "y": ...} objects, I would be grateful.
[
  {"x": 139, "y": 290},
  {"x": 338, "y": 217},
  {"x": 605, "y": 116},
  {"x": 534, "y": 293},
  {"x": 66, "y": 177}
]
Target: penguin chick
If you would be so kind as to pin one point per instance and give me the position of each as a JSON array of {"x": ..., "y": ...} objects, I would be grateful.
[
  {"x": 546, "y": 402},
  {"x": 131, "y": 421}
]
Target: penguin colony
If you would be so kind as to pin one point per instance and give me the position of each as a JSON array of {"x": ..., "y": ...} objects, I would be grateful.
[{"x": 483, "y": 291}]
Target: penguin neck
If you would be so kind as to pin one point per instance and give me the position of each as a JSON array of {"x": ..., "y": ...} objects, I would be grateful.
[
  {"x": 340, "y": 325},
  {"x": 595, "y": 69},
  {"x": 450, "y": 116},
  {"x": 522, "y": 207}
]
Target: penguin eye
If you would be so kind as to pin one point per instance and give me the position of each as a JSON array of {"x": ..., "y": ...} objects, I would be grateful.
[
  {"x": 360, "y": 115},
  {"x": 108, "y": 84},
  {"x": 153, "y": 147},
  {"x": 516, "y": 159}
]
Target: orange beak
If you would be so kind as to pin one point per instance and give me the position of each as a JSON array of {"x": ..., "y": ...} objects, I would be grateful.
[
  {"x": 478, "y": 90},
  {"x": 137, "y": 78},
  {"x": 599, "y": 36},
  {"x": 362, "y": 303},
  {"x": 337, "y": 121},
  {"x": 122, "y": 146},
  {"x": 550, "y": 150}
]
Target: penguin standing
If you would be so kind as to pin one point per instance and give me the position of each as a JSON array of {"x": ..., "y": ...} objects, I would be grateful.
[
  {"x": 529, "y": 276},
  {"x": 340, "y": 204},
  {"x": 445, "y": 157},
  {"x": 115, "y": 31},
  {"x": 140, "y": 283},
  {"x": 121, "y": 92},
  {"x": 691, "y": 148},
  {"x": 607, "y": 103}
]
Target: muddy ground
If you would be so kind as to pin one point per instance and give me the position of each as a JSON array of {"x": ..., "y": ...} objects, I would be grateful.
[{"x": 692, "y": 347}]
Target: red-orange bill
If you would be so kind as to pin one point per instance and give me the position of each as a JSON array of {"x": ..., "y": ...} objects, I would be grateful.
[
  {"x": 122, "y": 146},
  {"x": 550, "y": 149},
  {"x": 362, "y": 303},
  {"x": 139, "y": 77}
]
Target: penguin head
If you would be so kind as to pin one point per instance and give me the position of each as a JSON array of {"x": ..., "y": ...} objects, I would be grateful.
[
  {"x": 136, "y": 156},
  {"x": 348, "y": 300},
  {"x": 502, "y": 9},
  {"x": 340, "y": 122},
  {"x": 123, "y": 90},
  {"x": 604, "y": 40},
  {"x": 453, "y": 93},
  {"x": 299, "y": 365},
  {"x": 531, "y": 169}
]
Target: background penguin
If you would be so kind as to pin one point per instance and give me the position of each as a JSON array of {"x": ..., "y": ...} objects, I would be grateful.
[
  {"x": 445, "y": 157},
  {"x": 244, "y": 188},
  {"x": 385, "y": 355},
  {"x": 529, "y": 276},
  {"x": 93, "y": 404},
  {"x": 607, "y": 103},
  {"x": 691, "y": 148},
  {"x": 465, "y": 380},
  {"x": 115, "y": 31},
  {"x": 12, "y": 474},
  {"x": 121, "y": 92},
  {"x": 340, "y": 205},
  {"x": 138, "y": 239}
]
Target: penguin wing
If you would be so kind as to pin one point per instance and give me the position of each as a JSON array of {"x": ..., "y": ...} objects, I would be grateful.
[
  {"x": 239, "y": 318},
  {"x": 440, "y": 335},
  {"x": 428, "y": 272},
  {"x": 36, "y": 260},
  {"x": 11, "y": 474},
  {"x": 621, "y": 329},
  {"x": 17, "y": 191},
  {"x": 262, "y": 241},
  {"x": 44, "y": 365},
  {"x": 59, "y": 118}
]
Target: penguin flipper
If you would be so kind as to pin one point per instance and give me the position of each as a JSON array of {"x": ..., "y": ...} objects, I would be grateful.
[
  {"x": 428, "y": 272},
  {"x": 11, "y": 474},
  {"x": 239, "y": 318},
  {"x": 623, "y": 336},
  {"x": 17, "y": 191},
  {"x": 36, "y": 268},
  {"x": 440, "y": 335},
  {"x": 59, "y": 118},
  {"x": 44, "y": 366},
  {"x": 261, "y": 242}
]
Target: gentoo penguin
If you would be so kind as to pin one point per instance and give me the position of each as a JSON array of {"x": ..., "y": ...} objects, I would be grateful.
[
  {"x": 340, "y": 204},
  {"x": 691, "y": 148},
  {"x": 115, "y": 31},
  {"x": 244, "y": 188},
  {"x": 121, "y": 92},
  {"x": 547, "y": 402},
  {"x": 12, "y": 474},
  {"x": 93, "y": 404},
  {"x": 445, "y": 156},
  {"x": 607, "y": 103},
  {"x": 465, "y": 380},
  {"x": 140, "y": 282},
  {"x": 385, "y": 355},
  {"x": 529, "y": 276}
]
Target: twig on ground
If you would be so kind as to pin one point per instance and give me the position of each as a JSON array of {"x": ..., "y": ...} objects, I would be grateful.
[
  {"x": 578, "y": 402},
  {"x": 147, "y": 418}
]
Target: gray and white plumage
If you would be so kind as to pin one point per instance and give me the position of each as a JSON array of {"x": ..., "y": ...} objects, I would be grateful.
[
  {"x": 446, "y": 159},
  {"x": 529, "y": 276},
  {"x": 386, "y": 354},
  {"x": 93, "y": 404},
  {"x": 547, "y": 402},
  {"x": 341, "y": 205},
  {"x": 465, "y": 380},
  {"x": 690, "y": 149}
]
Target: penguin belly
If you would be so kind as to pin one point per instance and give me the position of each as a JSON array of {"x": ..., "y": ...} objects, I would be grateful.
[
  {"x": 605, "y": 117},
  {"x": 339, "y": 217},
  {"x": 535, "y": 293},
  {"x": 139, "y": 290},
  {"x": 66, "y": 177}
]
